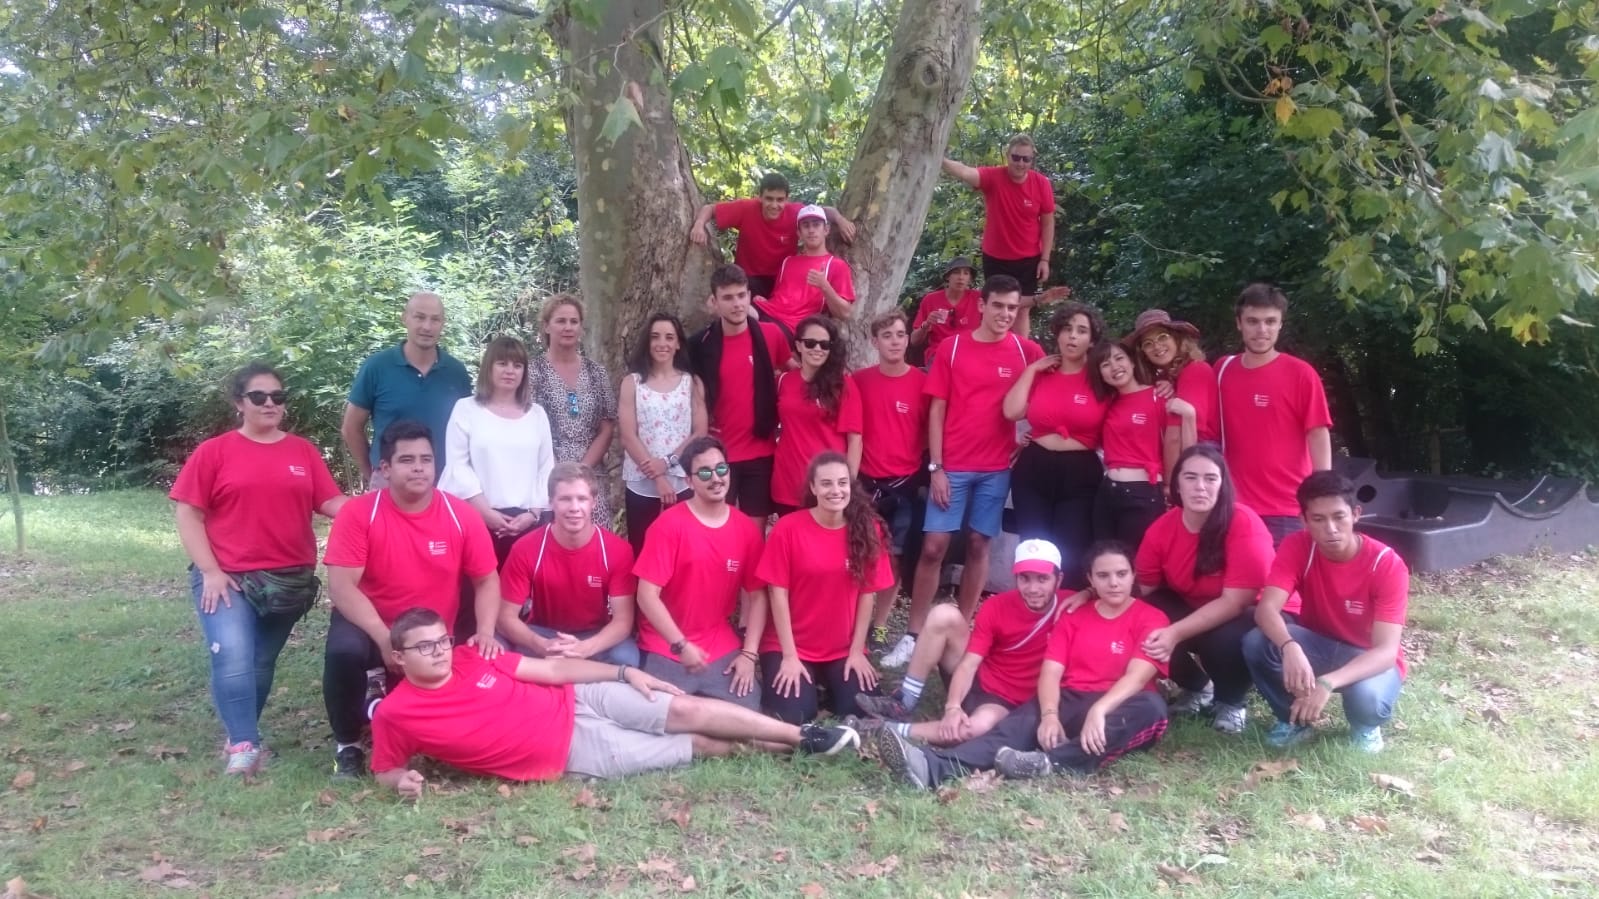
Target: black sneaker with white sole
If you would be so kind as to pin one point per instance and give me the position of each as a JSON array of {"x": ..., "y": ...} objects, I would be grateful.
[
  {"x": 349, "y": 763},
  {"x": 818, "y": 740}
]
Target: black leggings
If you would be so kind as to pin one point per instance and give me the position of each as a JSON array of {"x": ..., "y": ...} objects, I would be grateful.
[
  {"x": 1138, "y": 723},
  {"x": 641, "y": 513},
  {"x": 345, "y": 659},
  {"x": 803, "y": 708},
  {"x": 1053, "y": 493},
  {"x": 1124, "y": 510},
  {"x": 1220, "y": 651}
]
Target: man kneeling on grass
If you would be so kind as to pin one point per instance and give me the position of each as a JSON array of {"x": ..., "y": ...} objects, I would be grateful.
[{"x": 525, "y": 719}]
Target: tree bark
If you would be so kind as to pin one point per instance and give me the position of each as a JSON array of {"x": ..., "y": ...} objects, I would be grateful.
[
  {"x": 896, "y": 166},
  {"x": 9, "y": 460}
]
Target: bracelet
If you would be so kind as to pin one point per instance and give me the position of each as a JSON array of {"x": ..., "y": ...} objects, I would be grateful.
[
  {"x": 1324, "y": 682},
  {"x": 1049, "y": 712},
  {"x": 951, "y": 708},
  {"x": 1283, "y": 647},
  {"x": 621, "y": 674},
  {"x": 749, "y": 655}
]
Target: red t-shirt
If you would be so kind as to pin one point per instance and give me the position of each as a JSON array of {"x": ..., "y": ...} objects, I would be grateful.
[
  {"x": 964, "y": 315},
  {"x": 762, "y": 245},
  {"x": 1133, "y": 435},
  {"x": 811, "y": 562},
  {"x": 793, "y": 300},
  {"x": 807, "y": 430},
  {"x": 570, "y": 588},
  {"x": 1012, "y": 638},
  {"x": 257, "y": 499},
  {"x": 1196, "y": 385},
  {"x": 1096, "y": 649},
  {"x": 1265, "y": 413},
  {"x": 1166, "y": 558},
  {"x": 733, "y": 417},
  {"x": 411, "y": 559},
  {"x": 699, "y": 570},
  {"x": 893, "y": 421},
  {"x": 1011, "y": 211},
  {"x": 1343, "y": 600},
  {"x": 482, "y": 721},
  {"x": 973, "y": 377},
  {"x": 1065, "y": 404}
]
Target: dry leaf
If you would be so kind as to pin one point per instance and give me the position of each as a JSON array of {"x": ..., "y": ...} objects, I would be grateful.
[
  {"x": 122, "y": 727},
  {"x": 586, "y": 798},
  {"x": 526, "y": 840},
  {"x": 5, "y": 718},
  {"x": 871, "y": 809},
  {"x": 72, "y": 767},
  {"x": 656, "y": 865},
  {"x": 430, "y": 851},
  {"x": 1445, "y": 754},
  {"x": 688, "y": 885},
  {"x": 982, "y": 781},
  {"x": 1260, "y": 772},
  {"x": 813, "y": 890},
  {"x": 39, "y": 824},
  {"x": 157, "y": 872},
  {"x": 23, "y": 780},
  {"x": 875, "y": 869},
  {"x": 327, "y": 835},
  {"x": 1309, "y": 821},
  {"x": 16, "y": 887},
  {"x": 583, "y": 852},
  {"x": 161, "y": 752},
  {"x": 677, "y": 813},
  {"x": 1118, "y": 822},
  {"x": 504, "y": 790},
  {"x": 1396, "y": 784},
  {"x": 780, "y": 856},
  {"x": 1430, "y": 855},
  {"x": 1369, "y": 823},
  {"x": 947, "y": 794},
  {"x": 581, "y": 872},
  {"x": 1031, "y": 823},
  {"x": 327, "y": 797},
  {"x": 1177, "y": 875},
  {"x": 410, "y": 880}
]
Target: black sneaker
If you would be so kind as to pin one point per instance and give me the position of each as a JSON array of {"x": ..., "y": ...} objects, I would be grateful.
[
  {"x": 889, "y": 708},
  {"x": 907, "y": 762},
  {"x": 349, "y": 763},
  {"x": 818, "y": 740},
  {"x": 1018, "y": 765},
  {"x": 877, "y": 640}
]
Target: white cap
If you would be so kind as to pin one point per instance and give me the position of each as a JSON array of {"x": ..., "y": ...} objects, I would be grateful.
[
  {"x": 1036, "y": 556},
  {"x": 812, "y": 211}
]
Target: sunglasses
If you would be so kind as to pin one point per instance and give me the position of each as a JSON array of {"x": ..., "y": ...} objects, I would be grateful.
[
  {"x": 1017, "y": 157},
  {"x": 431, "y": 647},
  {"x": 571, "y": 403},
  {"x": 260, "y": 397},
  {"x": 705, "y": 474},
  {"x": 811, "y": 343}
]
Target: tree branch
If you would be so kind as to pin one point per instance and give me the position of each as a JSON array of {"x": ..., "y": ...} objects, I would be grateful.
[
  {"x": 782, "y": 16},
  {"x": 513, "y": 9}
]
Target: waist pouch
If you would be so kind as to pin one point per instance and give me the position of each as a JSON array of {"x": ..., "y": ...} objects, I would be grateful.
[{"x": 281, "y": 591}]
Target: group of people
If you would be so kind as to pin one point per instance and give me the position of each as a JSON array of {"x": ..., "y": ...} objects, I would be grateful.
[{"x": 1176, "y": 520}]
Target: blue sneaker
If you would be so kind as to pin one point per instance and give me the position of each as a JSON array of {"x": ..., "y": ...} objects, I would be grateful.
[
  {"x": 1366, "y": 739},
  {"x": 1283, "y": 735}
]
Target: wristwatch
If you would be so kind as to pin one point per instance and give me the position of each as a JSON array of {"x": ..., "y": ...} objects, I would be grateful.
[
  {"x": 671, "y": 460},
  {"x": 935, "y": 466},
  {"x": 678, "y": 647}
]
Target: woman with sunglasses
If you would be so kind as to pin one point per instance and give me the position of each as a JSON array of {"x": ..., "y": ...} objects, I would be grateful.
[
  {"x": 576, "y": 393},
  {"x": 818, "y": 409},
  {"x": 660, "y": 407},
  {"x": 499, "y": 449},
  {"x": 823, "y": 566},
  {"x": 1130, "y": 498},
  {"x": 1204, "y": 564},
  {"x": 1168, "y": 356},
  {"x": 244, "y": 503}
]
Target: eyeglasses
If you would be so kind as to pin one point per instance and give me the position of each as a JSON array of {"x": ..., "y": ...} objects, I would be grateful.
[
  {"x": 1154, "y": 340},
  {"x": 431, "y": 647},
  {"x": 1017, "y": 157},
  {"x": 705, "y": 474},
  {"x": 571, "y": 403},
  {"x": 260, "y": 397},
  {"x": 811, "y": 343}
]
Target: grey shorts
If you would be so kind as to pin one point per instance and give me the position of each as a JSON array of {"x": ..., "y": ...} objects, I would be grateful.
[
  {"x": 617, "y": 732},
  {"x": 710, "y": 683}
]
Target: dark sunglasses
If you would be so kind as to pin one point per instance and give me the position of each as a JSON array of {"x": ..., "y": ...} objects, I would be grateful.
[
  {"x": 431, "y": 647},
  {"x": 1017, "y": 157},
  {"x": 705, "y": 474},
  {"x": 811, "y": 343},
  {"x": 260, "y": 397}
]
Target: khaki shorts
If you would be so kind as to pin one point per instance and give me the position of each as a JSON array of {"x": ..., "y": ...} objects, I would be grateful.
[{"x": 617, "y": 732}]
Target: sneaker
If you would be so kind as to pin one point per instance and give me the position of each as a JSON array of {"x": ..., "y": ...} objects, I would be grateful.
[
  {"x": 1230, "y": 718},
  {"x": 888, "y": 708},
  {"x": 900, "y": 655},
  {"x": 244, "y": 758},
  {"x": 1193, "y": 702},
  {"x": 818, "y": 740},
  {"x": 863, "y": 726},
  {"x": 377, "y": 685},
  {"x": 1018, "y": 765},
  {"x": 1366, "y": 739},
  {"x": 877, "y": 641},
  {"x": 349, "y": 763},
  {"x": 1283, "y": 735},
  {"x": 907, "y": 762}
]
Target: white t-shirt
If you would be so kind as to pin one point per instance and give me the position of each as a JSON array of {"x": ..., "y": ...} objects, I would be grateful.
[{"x": 508, "y": 460}]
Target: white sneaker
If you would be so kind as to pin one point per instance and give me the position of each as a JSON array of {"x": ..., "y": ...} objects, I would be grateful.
[{"x": 900, "y": 655}]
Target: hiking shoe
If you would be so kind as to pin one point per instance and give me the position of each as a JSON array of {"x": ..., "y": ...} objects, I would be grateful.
[
  {"x": 1018, "y": 765},
  {"x": 877, "y": 641},
  {"x": 818, "y": 740},
  {"x": 1366, "y": 739},
  {"x": 907, "y": 762},
  {"x": 349, "y": 763},
  {"x": 888, "y": 708},
  {"x": 1193, "y": 702},
  {"x": 900, "y": 655},
  {"x": 1283, "y": 735},
  {"x": 1229, "y": 718},
  {"x": 244, "y": 758}
]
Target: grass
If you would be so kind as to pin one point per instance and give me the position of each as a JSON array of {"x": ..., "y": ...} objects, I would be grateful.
[{"x": 110, "y": 775}]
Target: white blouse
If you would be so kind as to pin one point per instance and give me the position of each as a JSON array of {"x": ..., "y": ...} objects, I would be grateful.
[{"x": 508, "y": 460}]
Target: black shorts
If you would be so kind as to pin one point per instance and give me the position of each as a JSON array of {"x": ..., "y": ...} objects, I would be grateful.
[
  {"x": 751, "y": 486},
  {"x": 761, "y": 285},
  {"x": 1023, "y": 270},
  {"x": 977, "y": 696}
]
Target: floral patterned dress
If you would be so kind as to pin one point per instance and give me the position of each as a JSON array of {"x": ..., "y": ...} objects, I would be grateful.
[
  {"x": 575, "y": 416},
  {"x": 664, "y": 421}
]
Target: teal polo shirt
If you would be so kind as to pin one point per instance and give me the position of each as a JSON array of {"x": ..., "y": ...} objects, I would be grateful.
[{"x": 391, "y": 388}]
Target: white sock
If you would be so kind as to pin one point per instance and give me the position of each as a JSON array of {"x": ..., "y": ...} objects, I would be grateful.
[
  {"x": 340, "y": 747},
  {"x": 910, "y": 690}
]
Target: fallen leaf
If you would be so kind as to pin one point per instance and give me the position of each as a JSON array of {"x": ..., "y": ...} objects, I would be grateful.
[
  {"x": 875, "y": 869},
  {"x": 1176, "y": 874},
  {"x": 871, "y": 809},
  {"x": 677, "y": 813},
  {"x": 586, "y": 798},
  {"x": 504, "y": 790},
  {"x": 780, "y": 856},
  {"x": 1260, "y": 772},
  {"x": 1031, "y": 823},
  {"x": 657, "y": 865},
  {"x": 23, "y": 780},
  {"x": 526, "y": 840},
  {"x": 5, "y": 718},
  {"x": 327, "y": 797},
  {"x": 430, "y": 851},
  {"x": 580, "y": 872},
  {"x": 1369, "y": 823},
  {"x": 411, "y": 879},
  {"x": 1445, "y": 754},
  {"x": 1396, "y": 784},
  {"x": 947, "y": 794},
  {"x": 1308, "y": 820},
  {"x": 39, "y": 824},
  {"x": 72, "y": 767},
  {"x": 1118, "y": 822},
  {"x": 16, "y": 887},
  {"x": 1430, "y": 855},
  {"x": 688, "y": 885},
  {"x": 327, "y": 835},
  {"x": 982, "y": 781},
  {"x": 361, "y": 795},
  {"x": 122, "y": 727},
  {"x": 583, "y": 852},
  {"x": 161, "y": 752},
  {"x": 813, "y": 890}
]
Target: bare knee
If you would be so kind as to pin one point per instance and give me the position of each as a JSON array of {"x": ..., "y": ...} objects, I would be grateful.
[
  {"x": 945, "y": 619},
  {"x": 934, "y": 546},
  {"x": 687, "y": 714}
]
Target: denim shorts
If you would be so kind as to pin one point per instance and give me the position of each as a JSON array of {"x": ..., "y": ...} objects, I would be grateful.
[{"x": 985, "y": 491}]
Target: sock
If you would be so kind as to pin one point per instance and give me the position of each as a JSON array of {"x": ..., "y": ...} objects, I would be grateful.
[
  {"x": 910, "y": 691},
  {"x": 340, "y": 747},
  {"x": 903, "y": 728},
  {"x": 913, "y": 635}
]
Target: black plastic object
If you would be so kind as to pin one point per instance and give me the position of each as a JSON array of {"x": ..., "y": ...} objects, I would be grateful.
[{"x": 1440, "y": 523}]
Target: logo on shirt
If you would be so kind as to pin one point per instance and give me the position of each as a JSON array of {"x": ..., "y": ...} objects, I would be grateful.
[
  {"x": 297, "y": 470},
  {"x": 594, "y": 581},
  {"x": 1005, "y": 372},
  {"x": 902, "y": 408},
  {"x": 751, "y": 359},
  {"x": 732, "y": 565},
  {"x": 1080, "y": 399},
  {"x": 438, "y": 547},
  {"x": 1355, "y": 606},
  {"x": 1117, "y": 647},
  {"x": 1140, "y": 418},
  {"x": 486, "y": 681},
  {"x": 1262, "y": 400}
]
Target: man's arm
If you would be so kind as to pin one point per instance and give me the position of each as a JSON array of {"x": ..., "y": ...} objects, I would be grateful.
[
  {"x": 353, "y": 430},
  {"x": 510, "y": 624},
  {"x": 344, "y": 588},
  {"x": 404, "y": 780},
  {"x": 696, "y": 231},
  {"x": 962, "y": 171},
  {"x": 620, "y": 625},
  {"x": 1298, "y": 675},
  {"x": 486, "y": 605},
  {"x": 1138, "y": 675},
  {"x": 1046, "y": 240},
  {"x": 844, "y": 227},
  {"x": 1319, "y": 442},
  {"x": 556, "y": 672},
  {"x": 960, "y": 681},
  {"x": 838, "y": 307}
]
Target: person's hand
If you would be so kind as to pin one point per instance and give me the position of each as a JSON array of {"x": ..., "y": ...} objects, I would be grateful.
[
  {"x": 1077, "y": 600},
  {"x": 938, "y": 316},
  {"x": 846, "y": 229},
  {"x": 696, "y": 234},
  {"x": 815, "y": 278},
  {"x": 787, "y": 680},
  {"x": 954, "y": 727},
  {"x": 652, "y": 468},
  {"x": 1093, "y": 736},
  {"x": 663, "y": 486},
  {"x": 858, "y": 665},
  {"x": 1165, "y": 391},
  {"x": 1050, "y": 732},
  {"x": 692, "y": 658},
  {"x": 214, "y": 587},
  {"x": 410, "y": 785},
  {"x": 487, "y": 646},
  {"x": 649, "y": 685},
  {"x": 1308, "y": 707},
  {"x": 743, "y": 671},
  {"x": 938, "y": 489},
  {"x": 1053, "y": 294},
  {"x": 573, "y": 648},
  {"x": 496, "y": 521},
  {"x": 1180, "y": 408},
  {"x": 1298, "y": 677},
  {"x": 522, "y": 522},
  {"x": 1160, "y": 644},
  {"x": 1045, "y": 363},
  {"x": 1043, "y": 269}
]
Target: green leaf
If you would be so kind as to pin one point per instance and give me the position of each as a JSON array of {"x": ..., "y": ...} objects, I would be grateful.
[
  {"x": 1495, "y": 152},
  {"x": 1275, "y": 38},
  {"x": 622, "y": 115},
  {"x": 1193, "y": 79},
  {"x": 1314, "y": 122}
]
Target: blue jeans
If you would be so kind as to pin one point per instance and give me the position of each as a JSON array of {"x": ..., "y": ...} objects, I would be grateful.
[
  {"x": 623, "y": 653},
  {"x": 1367, "y": 703},
  {"x": 244, "y": 649}
]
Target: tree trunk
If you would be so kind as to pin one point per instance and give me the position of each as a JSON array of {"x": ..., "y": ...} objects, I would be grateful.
[
  {"x": 9, "y": 460},
  {"x": 897, "y": 160},
  {"x": 636, "y": 195}
]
